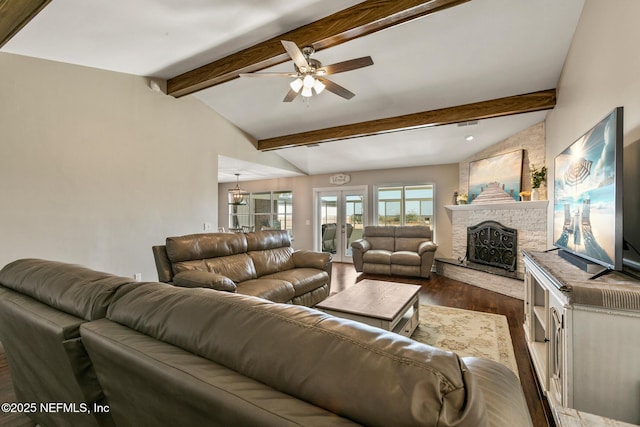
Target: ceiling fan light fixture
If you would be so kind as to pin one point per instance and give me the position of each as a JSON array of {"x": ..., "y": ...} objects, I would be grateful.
[
  {"x": 308, "y": 81},
  {"x": 306, "y": 92},
  {"x": 318, "y": 86},
  {"x": 296, "y": 85}
]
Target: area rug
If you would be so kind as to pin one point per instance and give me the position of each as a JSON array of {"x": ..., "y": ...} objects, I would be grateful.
[{"x": 467, "y": 333}]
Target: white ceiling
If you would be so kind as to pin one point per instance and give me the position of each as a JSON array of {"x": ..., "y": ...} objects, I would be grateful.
[{"x": 480, "y": 50}]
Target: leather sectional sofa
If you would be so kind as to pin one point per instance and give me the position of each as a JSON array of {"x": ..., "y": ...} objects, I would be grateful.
[
  {"x": 401, "y": 250},
  {"x": 261, "y": 264},
  {"x": 158, "y": 354}
]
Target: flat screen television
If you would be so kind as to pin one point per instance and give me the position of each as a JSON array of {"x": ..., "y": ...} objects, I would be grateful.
[{"x": 588, "y": 200}]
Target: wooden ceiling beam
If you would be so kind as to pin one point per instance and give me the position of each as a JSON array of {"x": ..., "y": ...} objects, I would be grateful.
[
  {"x": 527, "y": 103},
  {"x": 15, "y": 14},
  {"x": 348, "y": 24}
]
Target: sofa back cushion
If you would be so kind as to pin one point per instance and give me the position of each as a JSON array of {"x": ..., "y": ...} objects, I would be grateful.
[
  {"x": 270, "y": 251},
  {"x": 408, "y": 238},
  {"x": 302, "y": 352},
  {"x": 204, "y": 245},
  {"x": 270, "y": 261},
  {"x": 267, "y": 239},
  {"x": 74, "y": 289},
  {"x": 380, "y": 237},
  {"x": 238, "y": 267}
]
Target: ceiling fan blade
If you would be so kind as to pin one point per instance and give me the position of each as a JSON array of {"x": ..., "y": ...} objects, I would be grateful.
[
  {"x": 352, "y": 64},
  {"x": 337, "y": 89},
  {"x": 295, "y": 53},
  {"x": 268, "y": 75},
  {"x": 290, "y": 96}
]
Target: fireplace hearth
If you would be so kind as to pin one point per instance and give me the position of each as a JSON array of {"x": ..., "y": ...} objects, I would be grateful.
[{"x": 493, "y": 244}]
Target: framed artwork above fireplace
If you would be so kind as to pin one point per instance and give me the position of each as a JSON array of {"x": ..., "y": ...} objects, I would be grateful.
[{"x": 503, "y": 169}]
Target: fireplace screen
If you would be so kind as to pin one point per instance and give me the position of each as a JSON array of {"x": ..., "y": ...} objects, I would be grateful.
[{"x": 492, "y": 243}]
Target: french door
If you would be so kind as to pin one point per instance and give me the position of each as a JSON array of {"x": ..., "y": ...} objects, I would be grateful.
[{"x": 339, "y": 220}]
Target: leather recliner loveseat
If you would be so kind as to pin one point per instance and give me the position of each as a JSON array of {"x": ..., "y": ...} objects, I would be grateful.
[
  {"x": 260, "y": 263},
  {"x": 401, "y": 250},
  {"x": 166, "y": 355}
]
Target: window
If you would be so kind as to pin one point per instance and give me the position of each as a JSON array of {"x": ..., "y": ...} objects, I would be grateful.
[
  {"x": 263, "y": 211},
  {"x": 405, "y": 205}
]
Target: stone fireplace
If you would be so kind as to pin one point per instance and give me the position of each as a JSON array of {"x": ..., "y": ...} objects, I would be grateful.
[{"x": 528, "y": 220}]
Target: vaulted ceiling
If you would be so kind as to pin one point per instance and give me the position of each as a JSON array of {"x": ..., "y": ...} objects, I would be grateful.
[{"x": 439, "y": 66}]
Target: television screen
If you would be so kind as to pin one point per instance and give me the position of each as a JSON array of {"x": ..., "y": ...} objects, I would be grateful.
[{"x": 587, "y": 211}]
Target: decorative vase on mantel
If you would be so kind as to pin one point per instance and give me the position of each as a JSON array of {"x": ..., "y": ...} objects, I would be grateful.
[{"x": 535, "y": 194}]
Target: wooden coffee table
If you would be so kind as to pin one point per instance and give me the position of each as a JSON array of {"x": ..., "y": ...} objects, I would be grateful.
[{"x": 387, "y": 305}]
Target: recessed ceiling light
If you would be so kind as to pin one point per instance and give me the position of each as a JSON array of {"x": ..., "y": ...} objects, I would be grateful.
[{"x": 469, "y": 138}]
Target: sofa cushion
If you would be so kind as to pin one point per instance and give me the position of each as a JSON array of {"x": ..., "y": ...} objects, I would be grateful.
[
  {"x": 236, "y": 267},
  {"x": 302, "y": 352},
  {"x": 269, "y": 261},
  {"x": 267, "y": 239},
  {"x": 380, "y": 237},
  {"x": 377, "y": 256},
  {"x": 204, "y": 279},
  {"x": 196, "y": 264},
  {"x": 275, "y": 290},
  {"x": 405, "y": 258},
  {"x": 409, "y": 238},
  {"x": 405, "y": 270},
  {"x": 74, "y": 289},
  {"x": 311, "y": 259},
  {"x": 303, "y": 279},
  {"x": 204, "y": 245}
]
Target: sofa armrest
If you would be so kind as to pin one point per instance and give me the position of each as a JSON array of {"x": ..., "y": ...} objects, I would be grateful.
[
  {"x": 502, "y": 392},
  {"x": 426, "y": 247},
  {"x": 204, "y": 279},
  {"x": 361, "y": 245},
  {"x": 163, "y": 264},
  {"x": 311, "y": 259}
]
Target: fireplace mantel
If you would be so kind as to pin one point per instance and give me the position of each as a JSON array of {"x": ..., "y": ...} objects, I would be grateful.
[{"x": 537, "y": 204}]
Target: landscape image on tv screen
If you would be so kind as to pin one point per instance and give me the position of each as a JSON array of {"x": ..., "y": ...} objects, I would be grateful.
[{"x": 587, "y": 201}]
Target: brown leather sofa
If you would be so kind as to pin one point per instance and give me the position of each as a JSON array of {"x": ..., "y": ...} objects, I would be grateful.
[
  {"x": 261, "y": 264},
  {"x": 42, "y": 305},
  {"x": 167, "y": 355},
  {"x": 402, "y": 251}
]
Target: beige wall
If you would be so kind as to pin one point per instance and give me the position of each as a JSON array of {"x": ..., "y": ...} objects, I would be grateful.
[
  {"x": 602, "y": 71},
  {"x": 444, "y": 177},
  {"x": 95, "y": 167}
]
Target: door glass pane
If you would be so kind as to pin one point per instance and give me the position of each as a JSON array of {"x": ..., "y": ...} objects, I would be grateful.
[
  {"x": 328, "y": 222},
  {"x": 353, "y": 220}
]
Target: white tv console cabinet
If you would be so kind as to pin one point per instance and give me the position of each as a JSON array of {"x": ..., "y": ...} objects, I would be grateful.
[{"x": 584, "y": 340}]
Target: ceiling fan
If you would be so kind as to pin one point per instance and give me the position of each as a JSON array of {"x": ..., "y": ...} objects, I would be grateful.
[{"x": 310, "y": 74}]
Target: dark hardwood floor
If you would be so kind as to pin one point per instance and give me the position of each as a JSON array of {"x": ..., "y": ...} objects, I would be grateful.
[{"x": 438, "y": 291}]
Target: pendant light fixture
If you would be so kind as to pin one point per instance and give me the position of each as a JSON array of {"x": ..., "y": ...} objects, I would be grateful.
[{"x": 237, "y": 196}]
